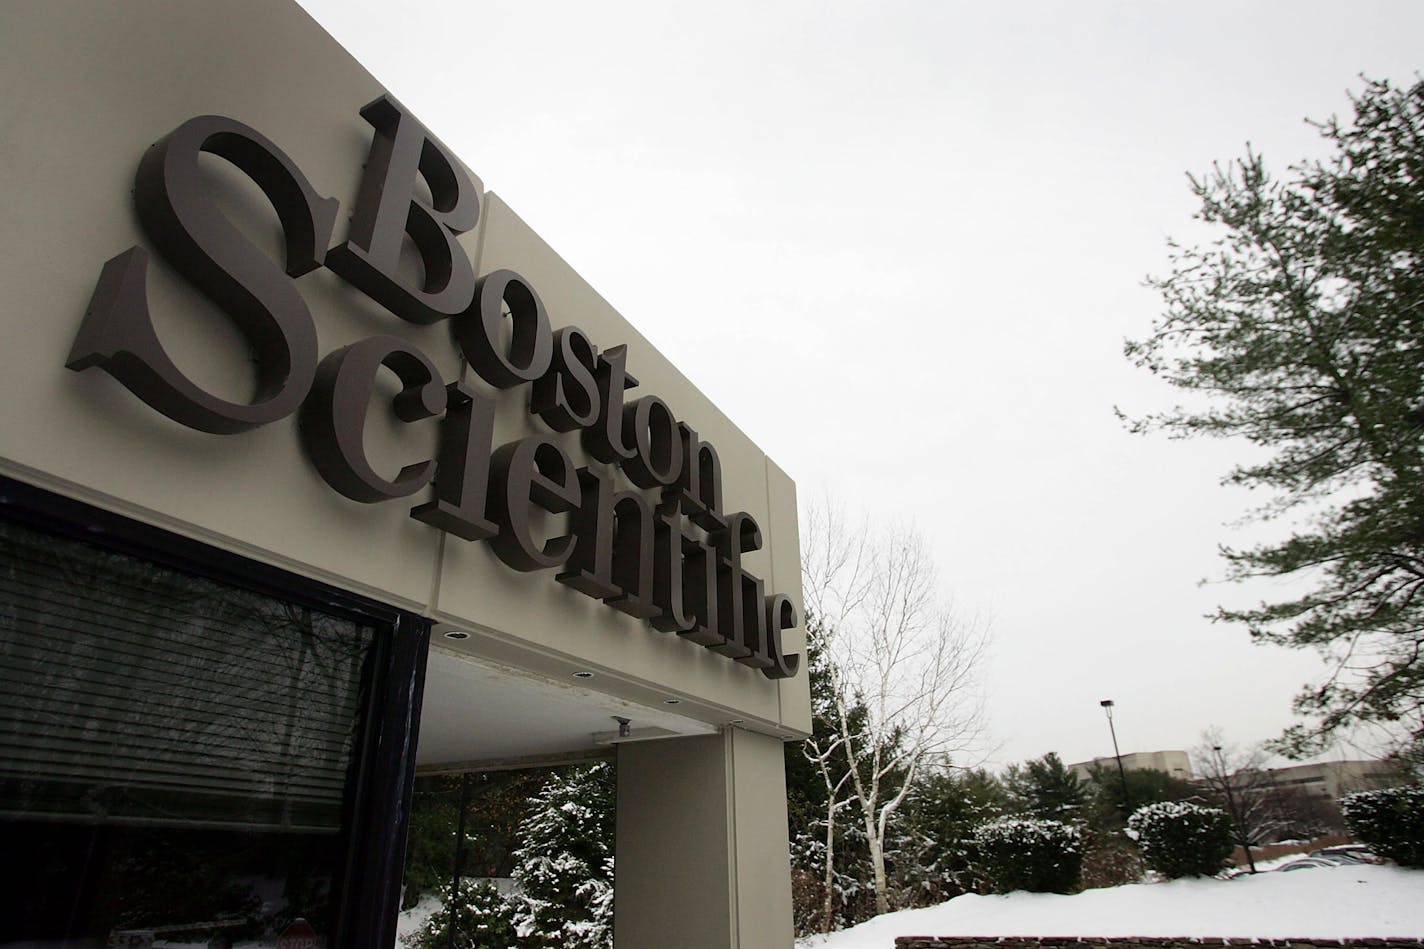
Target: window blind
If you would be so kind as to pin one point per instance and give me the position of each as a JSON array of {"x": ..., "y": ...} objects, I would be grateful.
[{"x": 130, "y": 692}]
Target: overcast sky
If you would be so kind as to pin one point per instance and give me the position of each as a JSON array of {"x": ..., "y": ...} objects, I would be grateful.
[{"x": 901, "y": 244}]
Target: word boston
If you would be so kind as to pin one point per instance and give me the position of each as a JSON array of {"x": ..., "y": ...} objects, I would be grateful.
[{"x": 675, "y": 562}]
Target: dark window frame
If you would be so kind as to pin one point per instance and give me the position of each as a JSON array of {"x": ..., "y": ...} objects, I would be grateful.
[{"x": 379, "y": 796}]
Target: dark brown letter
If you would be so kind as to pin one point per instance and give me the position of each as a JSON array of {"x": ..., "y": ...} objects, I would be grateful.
[
  {"x": 184, "y": 222},
  {"x": 387, "y": 209},
  {"x": 334, "y": 418}
]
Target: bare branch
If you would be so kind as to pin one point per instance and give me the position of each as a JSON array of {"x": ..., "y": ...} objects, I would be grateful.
[{"x": 903, "y": 664}]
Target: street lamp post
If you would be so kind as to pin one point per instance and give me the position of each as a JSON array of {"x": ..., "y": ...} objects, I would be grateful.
[{"x": 1107, "y": 705}]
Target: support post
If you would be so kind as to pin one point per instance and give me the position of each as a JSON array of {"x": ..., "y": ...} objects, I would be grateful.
[{"x": 703, "y": 860}]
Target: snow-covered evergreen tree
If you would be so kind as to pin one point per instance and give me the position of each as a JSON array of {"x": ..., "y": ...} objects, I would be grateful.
[
  {"x": 564, "y": 864},
  {"x": 481, "y": 916}
]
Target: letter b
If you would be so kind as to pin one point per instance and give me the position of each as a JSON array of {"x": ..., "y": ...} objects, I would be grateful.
[{"x": 387, "y": 209}]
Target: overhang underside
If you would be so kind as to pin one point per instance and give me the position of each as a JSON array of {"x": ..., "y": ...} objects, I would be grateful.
[{"x": 478, "y": 716}]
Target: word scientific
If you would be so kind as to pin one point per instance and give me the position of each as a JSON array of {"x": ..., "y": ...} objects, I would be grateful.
[{"x": 674, "y": 560}]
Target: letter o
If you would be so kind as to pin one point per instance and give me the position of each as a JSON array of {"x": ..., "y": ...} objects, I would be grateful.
[
  {"x": 657, "y": 459},
  {"x": 479, "y": 331}
]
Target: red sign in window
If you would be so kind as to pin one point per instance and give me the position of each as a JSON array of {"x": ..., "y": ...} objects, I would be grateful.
[{"x": 297, "y": 935}]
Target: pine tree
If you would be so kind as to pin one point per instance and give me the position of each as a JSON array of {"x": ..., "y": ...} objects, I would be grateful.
[
  {"x": 564, "y": 863},
  {"x": 1303, "y": 328},
  {"x": 940, "y": 818},
  {"x": 1044, "y": 788},
  {"x": 481, "y": 918}
]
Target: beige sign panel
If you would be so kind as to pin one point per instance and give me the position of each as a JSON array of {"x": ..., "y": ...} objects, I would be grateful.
[{"x": 94, "y": 88}]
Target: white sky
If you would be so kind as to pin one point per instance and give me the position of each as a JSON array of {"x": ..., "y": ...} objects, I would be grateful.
[{"x": 901, "y": 244}]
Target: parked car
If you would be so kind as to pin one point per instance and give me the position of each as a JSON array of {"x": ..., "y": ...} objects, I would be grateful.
[
  {"x": 1307, "y": 863},
  {"x": 1346, "y": 854}
]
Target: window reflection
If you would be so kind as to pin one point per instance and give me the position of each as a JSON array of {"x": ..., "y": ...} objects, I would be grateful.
[{"x": 174, "y": 753}]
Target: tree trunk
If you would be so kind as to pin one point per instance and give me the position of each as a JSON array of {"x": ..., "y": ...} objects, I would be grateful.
[
  {"x": 877, "y": 863},
  {"x": 828, "y": 905}
]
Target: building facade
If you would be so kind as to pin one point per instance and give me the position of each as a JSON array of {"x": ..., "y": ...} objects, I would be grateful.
[
  {"x": 1175, "y": 763},
  {"x": 318, "y": 466},
  {"x": 1330, "y": 780}
]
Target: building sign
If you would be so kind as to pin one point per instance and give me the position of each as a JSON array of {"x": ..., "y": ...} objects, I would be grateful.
[{"x": 674, "y": 560}]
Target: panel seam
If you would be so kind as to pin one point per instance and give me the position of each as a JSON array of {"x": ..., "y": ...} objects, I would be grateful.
[
  {"x": 733, "y": 897},
  {"x": 772, "y": 580}
]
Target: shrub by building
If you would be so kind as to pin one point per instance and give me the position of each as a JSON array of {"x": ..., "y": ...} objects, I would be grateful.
[
  {"x": 1390, "y": 820},
  {"x": 1038, "y": 855},
  {"x": 1179, "y": 838}
]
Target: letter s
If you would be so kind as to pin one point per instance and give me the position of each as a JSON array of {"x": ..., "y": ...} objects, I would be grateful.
[{"x": 181, "y": 218}]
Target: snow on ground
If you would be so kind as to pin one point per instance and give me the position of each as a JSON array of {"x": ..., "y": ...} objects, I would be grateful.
[
  {"x": 411, "y": 920},
  {"x": 1321, "y": 903}
]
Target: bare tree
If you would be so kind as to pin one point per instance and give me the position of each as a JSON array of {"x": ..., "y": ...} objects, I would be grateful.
[
  {"x": 821, "y": 752},
  {"x": 1240, "y": 781},
  {"x": 1304, "y": 815},
  {"x": 832, "y": 569},
  {"x": 903, "y": 689}
]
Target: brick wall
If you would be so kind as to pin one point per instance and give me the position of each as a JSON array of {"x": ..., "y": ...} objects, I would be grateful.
[{"x": 1134, "y": 942}]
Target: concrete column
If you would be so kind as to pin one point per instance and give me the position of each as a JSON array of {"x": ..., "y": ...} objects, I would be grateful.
[{"x": 703, "y": 861}]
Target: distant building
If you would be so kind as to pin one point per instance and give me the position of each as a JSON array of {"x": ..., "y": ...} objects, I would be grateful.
[
  {"x": 1303, "y": 801},
  {"x": 1326, "y": 779},
  {"x": 1175, "y": 763},
  {"x": 1330, "y": 779}
]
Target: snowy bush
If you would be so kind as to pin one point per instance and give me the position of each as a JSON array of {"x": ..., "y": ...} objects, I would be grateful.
[
  {"x": 1179, "y": 838},
  {"x": 1390, "y": 820},
  {"x": 1110, "y": 858},
  {"x": 483, "y": 920},
  {"x": 1016, "y": 853}
]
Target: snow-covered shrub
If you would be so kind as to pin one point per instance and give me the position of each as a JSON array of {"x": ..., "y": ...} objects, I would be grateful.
[
  {"x": 1110, "y": 858},
  {"x": 564, "y": 864},
  {"x": 1179, "y": 838},
  {"x": 1390, "y": 820},
  {"x": 483, "y": 920},
  {"x": 1021, "y": 853}
]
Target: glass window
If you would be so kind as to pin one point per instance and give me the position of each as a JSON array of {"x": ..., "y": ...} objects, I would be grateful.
[{"x": 175, "y": 753}]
